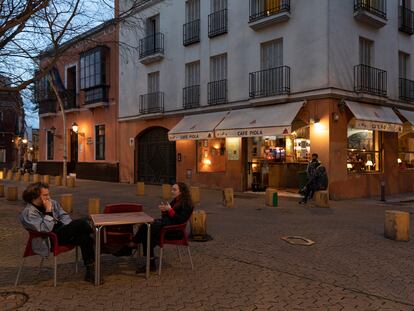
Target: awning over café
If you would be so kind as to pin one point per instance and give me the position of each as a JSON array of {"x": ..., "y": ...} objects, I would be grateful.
[
  {"x": 372, "y": 117},
  {"x": 409, "y": 116},
  {"x": 259, "y": 121},
  {"x": 200, "y": 126}
]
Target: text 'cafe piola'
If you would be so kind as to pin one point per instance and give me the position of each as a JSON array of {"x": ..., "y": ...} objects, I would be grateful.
[{"x": 270, "y": 146}]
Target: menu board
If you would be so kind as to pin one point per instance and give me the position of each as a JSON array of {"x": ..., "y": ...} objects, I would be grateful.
[{"x": 233, "y": 148}]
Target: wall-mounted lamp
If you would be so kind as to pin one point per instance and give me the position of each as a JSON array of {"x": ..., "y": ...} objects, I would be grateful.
[
  {"x": 24, "y": 141},
  {"x": 75, "y": 127},
  {"x": 314, "y": 120},
  {"x": 399, "y": 161}
]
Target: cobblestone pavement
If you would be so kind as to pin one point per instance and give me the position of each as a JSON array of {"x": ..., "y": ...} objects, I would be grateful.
[{"x": 245, "y": 267}]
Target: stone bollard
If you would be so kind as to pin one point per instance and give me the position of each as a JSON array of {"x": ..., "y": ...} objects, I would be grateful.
[
  {"x": 36, "y": 178},
  {"x": 271, "y": 197},
  {"x": 58, "y": 180},
  {"x": 195, "y": 194},
  {"x": 26, "y": 177},
  {"x": 70, "y": 182},
  {"x": 67, "y": 203},
  {"x": 322, "y": 198},
  {"x": 94, "y": 206},
  {"x": 198, "y": 225},
  {"x": 17, "y": 176},
  {"x": 1, "y": 190},
  {"x": 166, "y": 192},
  {"x": 12, "y": 194},
  {"x": 46, "y": 179},
  {"x": 397, "y": 225},
  {"x": 140, "y": 188},
  {"x": 228, "y": 197},
  {"x": 9, "y": 175}
]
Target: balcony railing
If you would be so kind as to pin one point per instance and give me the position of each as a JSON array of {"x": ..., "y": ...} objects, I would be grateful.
[
  {"x": 370, "y": 80},
  {"x": 270, "y": 82},
  {"x": 151, "y": 103},
  {"x": 406, "y": 88},
  {"x": 217, "y": 23},
  {"x": 217, "y": 92},
  {"x": 47, "y": 107},
  {"x": 151, "y": 45},
  {"x": 191, "y": 32},
  {"x": 406, "y": 20},
  {"x": 261, "y": 9},
  {"x": 376, "y": 7},
  {"x": 71, "y": 101},
  {"x": 191, "y": 97}
]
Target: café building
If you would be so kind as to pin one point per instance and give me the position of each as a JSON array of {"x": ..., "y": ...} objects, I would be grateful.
[{"x": 362, "y": 145}]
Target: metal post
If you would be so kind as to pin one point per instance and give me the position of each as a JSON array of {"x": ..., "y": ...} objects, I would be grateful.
[{"x": 383, "y": 191}]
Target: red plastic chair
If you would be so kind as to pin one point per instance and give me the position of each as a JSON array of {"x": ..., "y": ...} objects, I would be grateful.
[
  {"x": 56, "y": 250},
  {"x": 121, "y": 234},
  {"x": 178, "y": 242}
]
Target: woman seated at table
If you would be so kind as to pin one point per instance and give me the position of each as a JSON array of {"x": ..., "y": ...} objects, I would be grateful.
[{"x": 178, "y": 211}]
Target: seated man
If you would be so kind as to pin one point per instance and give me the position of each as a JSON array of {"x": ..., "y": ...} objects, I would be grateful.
[
  {"x": 319, "y": 181},
  {"x": 46, "y": 215}
]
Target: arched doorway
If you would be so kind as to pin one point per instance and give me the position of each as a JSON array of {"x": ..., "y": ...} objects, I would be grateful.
[{"x": 155, "y": 157}]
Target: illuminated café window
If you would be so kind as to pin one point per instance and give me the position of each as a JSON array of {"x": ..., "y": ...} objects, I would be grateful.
[
  {"x": 364, "y": 154},
  {"x": 301, "y": 144},
  {"x": 211, "y": 155},
  {"x": 406, "y": 152}
]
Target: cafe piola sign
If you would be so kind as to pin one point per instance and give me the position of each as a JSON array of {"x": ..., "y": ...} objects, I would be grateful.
[
  {"x": 377, "y": 126},
  {"x": 190, "y": 136},
  {"x": 252, "y": 132}
]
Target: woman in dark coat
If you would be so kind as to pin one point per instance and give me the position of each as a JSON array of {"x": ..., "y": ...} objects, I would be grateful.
[{"x": 178, "y": 211}]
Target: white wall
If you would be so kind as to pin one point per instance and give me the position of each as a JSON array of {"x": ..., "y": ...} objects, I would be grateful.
[{"x": 314, "y": 28}]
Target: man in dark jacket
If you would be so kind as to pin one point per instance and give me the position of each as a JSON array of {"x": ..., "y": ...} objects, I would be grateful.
[{"x": 319, "y": 181}]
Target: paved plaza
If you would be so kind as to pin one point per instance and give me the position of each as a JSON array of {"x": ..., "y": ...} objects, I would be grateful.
[{"x": 245, "y": 267}]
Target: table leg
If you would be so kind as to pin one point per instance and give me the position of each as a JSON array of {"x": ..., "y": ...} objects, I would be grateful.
[
  {"x": 148, "y": 250},
  {"x": 97, "y": 255}
]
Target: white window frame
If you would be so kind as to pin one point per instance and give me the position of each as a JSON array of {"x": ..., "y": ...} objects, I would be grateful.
[
  {"x": 218, "y": 67},
  {"x": 77, "y": 76},
  {"x": 94, "y": 142}
]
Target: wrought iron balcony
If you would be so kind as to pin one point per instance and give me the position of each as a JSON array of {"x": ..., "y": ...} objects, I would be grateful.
[
  {"x": 217, "y": 92},
  {"x": 406, "y": 20},
  {"x": 71, "y": 100},
  {"x": 370, "y": 80},
  {"x": 373, "y": 12},
  {"x": 406, "y": 89},
  {"x": 269, "y": 82},
  {"x": 191, "y": 32},
  {"x": 151, "y": 48},
  {"x": 47, "y": 107},
  {"x": 191, "y": 96},
  {"x": 260, "y": 9},
  {"x": 151, "y": 103},
  {"x": 217, "y": 23}
]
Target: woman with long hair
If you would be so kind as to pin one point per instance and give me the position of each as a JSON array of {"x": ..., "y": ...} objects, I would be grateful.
[{"x": 178, "y": 211}]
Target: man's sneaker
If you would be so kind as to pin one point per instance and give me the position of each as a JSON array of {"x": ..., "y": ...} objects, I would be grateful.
[{"x": 302, "y": 202}]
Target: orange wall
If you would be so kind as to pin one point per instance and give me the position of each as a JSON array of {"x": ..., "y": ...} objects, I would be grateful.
[{"x": 87, "y": 118}]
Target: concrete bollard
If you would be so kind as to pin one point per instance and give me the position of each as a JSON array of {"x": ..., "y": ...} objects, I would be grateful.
[
  {"x": 1, "y": 190},
  {"x": 94, "y": 206},
  {"x": 26, "y": 177},
  {"x": 271, "y": 197},
  {"x": 195, "y": 194},
  {"x": 58, "y": 180},
  {"x": 67, "y": 203},
  {"x": 198, "y": 225},
  {"x": 12, "y": 194},
  {"x": 228, "y": 197},
  {"x": 17, "y": 176},
  {"x": 70, "y": 182},
  {"x": 166, "y": 192},
  {"x": 397, "y": 225},
  {"x": 46, "y": 179},
  {"x": 322, "y": 198},
  {"x": 36, "y": 178},
  {"x": 140, "y": 188}
]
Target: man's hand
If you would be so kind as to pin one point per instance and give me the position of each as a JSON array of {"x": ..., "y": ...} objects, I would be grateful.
[{"x": 47, "y": 203}]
